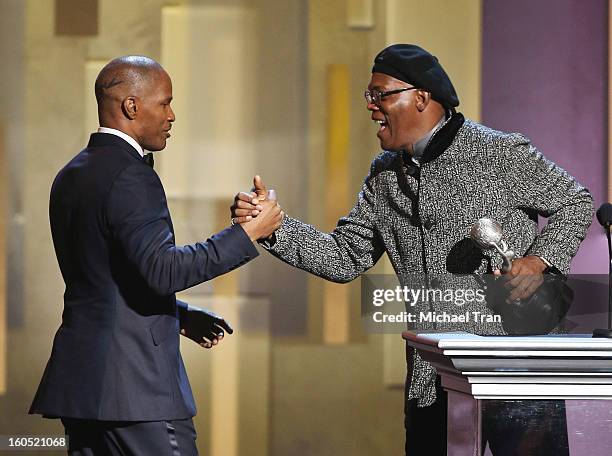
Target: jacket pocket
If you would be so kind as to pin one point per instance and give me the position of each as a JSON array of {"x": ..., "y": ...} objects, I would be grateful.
[{"x": 162, "y": 329}]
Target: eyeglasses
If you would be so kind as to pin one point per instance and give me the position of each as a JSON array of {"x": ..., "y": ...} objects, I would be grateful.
[{"x": 375, "y": 96}]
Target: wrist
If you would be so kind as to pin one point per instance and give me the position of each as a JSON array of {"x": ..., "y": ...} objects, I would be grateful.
[
  {"x": 182, "y": 314},
  {"x": 247, "y": 230},
  {"x": 252, "y": 235},
  {"x": 269, "y": 241},
  {"x": 543, "y": 264}
]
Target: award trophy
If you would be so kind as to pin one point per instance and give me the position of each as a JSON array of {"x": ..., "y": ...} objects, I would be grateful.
[
  {"x": 487, "y": 234},
  {"x": 537, "y": 314}
]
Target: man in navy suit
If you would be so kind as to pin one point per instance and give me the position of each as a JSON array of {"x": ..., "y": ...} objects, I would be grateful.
[{"x": 116, "y": 377}]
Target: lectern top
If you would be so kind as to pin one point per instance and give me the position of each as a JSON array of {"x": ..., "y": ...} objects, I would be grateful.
[{"x": 461, "y": 340}]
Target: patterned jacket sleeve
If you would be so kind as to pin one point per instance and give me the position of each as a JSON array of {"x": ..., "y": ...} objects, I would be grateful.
[
  {"x": 340, "y": 256},
  {"x": 541, "y": 185}
]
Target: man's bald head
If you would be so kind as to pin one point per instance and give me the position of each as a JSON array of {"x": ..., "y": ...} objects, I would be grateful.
[
  {"x": 134, "y": 95},
  {"x": 125, "y": 76}
]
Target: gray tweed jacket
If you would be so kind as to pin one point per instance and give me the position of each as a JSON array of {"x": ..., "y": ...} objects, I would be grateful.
[{"x": 421, "y": 216}]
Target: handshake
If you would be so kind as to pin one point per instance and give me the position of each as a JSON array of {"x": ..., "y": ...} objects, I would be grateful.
[{"x": 257, "y": 212}]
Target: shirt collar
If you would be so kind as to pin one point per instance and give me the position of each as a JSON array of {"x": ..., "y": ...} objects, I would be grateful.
[
  {"x": 419, "y": 147},
  {"x": 439, "y": 142},
  {"x": 131, "y": 141}
]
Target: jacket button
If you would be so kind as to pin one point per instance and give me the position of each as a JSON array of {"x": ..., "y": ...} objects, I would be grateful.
[{"x": 428, "y": 224}]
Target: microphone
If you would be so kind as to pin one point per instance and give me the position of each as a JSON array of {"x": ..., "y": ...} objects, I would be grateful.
[{"x": 604, "y": 217}]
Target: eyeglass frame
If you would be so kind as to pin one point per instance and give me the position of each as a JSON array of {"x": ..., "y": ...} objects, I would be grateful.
[{"x": 381, "y": 95}]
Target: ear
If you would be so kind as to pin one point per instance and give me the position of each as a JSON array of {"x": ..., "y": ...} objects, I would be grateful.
[
  {"x": 129, "y": 106},
  {"x": 422, "y": 100}
]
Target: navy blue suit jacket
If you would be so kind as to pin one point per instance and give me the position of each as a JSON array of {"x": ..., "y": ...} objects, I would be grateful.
[{"x": 116, "y": 354}]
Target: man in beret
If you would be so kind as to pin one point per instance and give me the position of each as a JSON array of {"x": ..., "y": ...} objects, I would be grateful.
[{"x": 438, "y": 173}]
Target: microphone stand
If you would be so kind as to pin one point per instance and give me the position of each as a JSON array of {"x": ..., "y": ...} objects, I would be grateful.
[{"x": 600, "y": 332}]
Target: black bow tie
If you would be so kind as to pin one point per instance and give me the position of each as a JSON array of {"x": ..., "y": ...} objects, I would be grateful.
[{"x": 148, "y": 159}]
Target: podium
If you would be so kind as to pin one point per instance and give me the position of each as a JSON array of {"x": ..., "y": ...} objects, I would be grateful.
[{"x": 521, "y": 391}]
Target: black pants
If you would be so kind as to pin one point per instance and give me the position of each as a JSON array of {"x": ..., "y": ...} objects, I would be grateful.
[
  {"x": 128, "y": 438},
  {"x": 426, "y": 426},
  {"x": 512, "y": 428}
]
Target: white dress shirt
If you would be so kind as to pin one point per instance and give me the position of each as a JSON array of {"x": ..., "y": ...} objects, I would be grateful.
[{"x": 131, "y": 141}]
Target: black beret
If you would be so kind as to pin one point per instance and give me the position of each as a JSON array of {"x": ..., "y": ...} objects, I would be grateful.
[{"x": 416, "y": 66}]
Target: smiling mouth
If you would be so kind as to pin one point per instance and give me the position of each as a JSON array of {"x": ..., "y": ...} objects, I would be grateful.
[{"x": 382, "y": 125}]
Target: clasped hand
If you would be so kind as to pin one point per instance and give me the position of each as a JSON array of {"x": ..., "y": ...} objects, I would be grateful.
[{"x": 258, "y": 211}]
